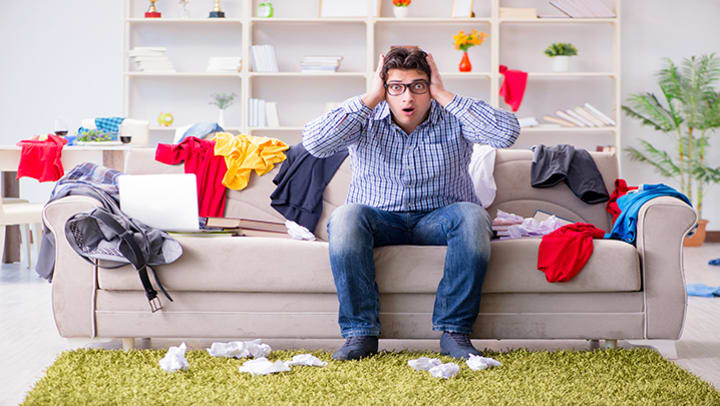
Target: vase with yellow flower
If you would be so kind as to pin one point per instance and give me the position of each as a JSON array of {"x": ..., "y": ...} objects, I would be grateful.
[{"x": 464, "y": 41}]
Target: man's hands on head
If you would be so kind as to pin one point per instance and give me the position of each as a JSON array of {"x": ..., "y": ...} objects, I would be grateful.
[
  {"x": 377, "y": 91},
  {"x": 437, "y": 89}
]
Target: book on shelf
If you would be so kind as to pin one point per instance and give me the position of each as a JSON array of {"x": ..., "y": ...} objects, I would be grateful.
[
  {"x": 264, "y": 58},
  {"x": 582, "y": 112},
  {"x": 262, "y": 113},
  {"x": 563, "y": 115},
  {"x": 577, "y": 117},
  {"x": 151, "y": 59},
  {"x": 560, "y": 121},
  {"x": 583, "y": 8},
  {"x": 246, "y": 224},
  {"x": 322, "y": 64},
  {"x": 605, "y": 119},
  {"x": 272, "y": 115}
]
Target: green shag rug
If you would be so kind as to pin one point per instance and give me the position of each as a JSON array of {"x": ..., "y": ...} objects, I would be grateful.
[{"x": 600, "y": 377}]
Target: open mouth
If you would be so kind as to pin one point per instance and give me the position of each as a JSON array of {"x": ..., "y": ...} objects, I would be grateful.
[{"x": 408, "y": 109}]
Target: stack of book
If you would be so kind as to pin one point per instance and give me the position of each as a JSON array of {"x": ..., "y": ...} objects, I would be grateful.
[
  {"x": 262, "y": 113},
  {"x": 224, "y": 64},
  {"x": 320, "y": 64},
  {"x": 518, "y": 13},
  {"x": 248, "y": 227},
  {"x": 581, "y": 116},
  {"x": 263, "y": 58},
  {"x": 583, "y": 8},
  {"x": 606, "y": 148},
  {"x": 151, "y": 59}
]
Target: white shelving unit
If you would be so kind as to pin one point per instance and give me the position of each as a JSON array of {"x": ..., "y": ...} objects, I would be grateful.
[{"x": 374, "y": 34}]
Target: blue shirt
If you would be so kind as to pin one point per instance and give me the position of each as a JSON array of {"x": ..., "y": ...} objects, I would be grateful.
[
  {"x": 625, "y": 226},
  {"x": 421, "y": 171}
]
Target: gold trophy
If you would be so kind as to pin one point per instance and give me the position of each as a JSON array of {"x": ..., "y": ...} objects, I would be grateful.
[
  {"x": 152, "y": 11},
  {"x": 216, "y": 12}
]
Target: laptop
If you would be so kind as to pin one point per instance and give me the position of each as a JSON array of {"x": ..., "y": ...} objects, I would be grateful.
[{"x": 168, "y": 202}]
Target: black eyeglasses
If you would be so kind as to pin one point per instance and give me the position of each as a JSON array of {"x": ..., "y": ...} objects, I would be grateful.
[{"x": 419, "y": 86}]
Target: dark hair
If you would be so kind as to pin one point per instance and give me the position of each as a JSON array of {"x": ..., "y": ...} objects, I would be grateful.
[{"x": 405, "y": 59}]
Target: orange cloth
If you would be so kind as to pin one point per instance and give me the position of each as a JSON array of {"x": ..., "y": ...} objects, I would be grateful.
[
  {"x": 245, "y": 153},
  {"x": 42, "y": 158}
]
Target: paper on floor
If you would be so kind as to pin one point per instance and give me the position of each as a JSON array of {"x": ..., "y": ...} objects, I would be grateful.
[
  {"x": 240, "y": 349},
  {"x": 445, "y": 371},
  {"x": 306, "y": 360},
  {"x": 263, "y": 366},
  {"x": 476, "y": 362},
  {"x": 424, "y": 363},
  {"x": 174, "y": 359}
]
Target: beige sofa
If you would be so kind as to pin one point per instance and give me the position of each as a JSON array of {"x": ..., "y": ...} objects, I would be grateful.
[{"x": 253, "y": 287}]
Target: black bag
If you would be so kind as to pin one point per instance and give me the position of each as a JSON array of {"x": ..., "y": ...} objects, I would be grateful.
[{"x": 116, "y": 241}]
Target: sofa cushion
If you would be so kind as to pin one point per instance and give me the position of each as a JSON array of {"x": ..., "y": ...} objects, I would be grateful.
[{"x": 256, "y": 264}]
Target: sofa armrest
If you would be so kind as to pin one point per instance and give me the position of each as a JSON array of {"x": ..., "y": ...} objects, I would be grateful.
[
  {"x": 662, "y": 225},
  {"x": 73, "y": 283}
]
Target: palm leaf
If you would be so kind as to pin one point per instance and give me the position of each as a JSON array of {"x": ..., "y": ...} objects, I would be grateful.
[
  {"x": 646, "y": 107},
  {"x": 662, "y": 162}
]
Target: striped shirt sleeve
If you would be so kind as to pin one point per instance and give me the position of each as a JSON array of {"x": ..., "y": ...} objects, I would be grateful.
[
  {"x": 484, "y": 124},
  {"x": 343, "y": 126}
]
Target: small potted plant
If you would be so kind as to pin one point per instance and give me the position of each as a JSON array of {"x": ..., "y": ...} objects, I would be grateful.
[
  {"x": 401, "y": 8},
  {"x": 222, "y": 101},
  {"x": 463, "y": 42},
  {"x": 560, "y": 54}
]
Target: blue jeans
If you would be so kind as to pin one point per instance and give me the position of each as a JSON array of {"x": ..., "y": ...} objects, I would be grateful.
[{"x": 355, "y": 229}]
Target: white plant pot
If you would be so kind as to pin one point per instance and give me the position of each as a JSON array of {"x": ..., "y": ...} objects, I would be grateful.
[
  {"x": 560, "y": 63},
  {"x": 221, "y": 118},
  {"x": 400, "y": 12}
]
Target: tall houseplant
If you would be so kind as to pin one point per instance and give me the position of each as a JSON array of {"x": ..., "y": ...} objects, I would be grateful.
[{"x": 690, "y": 114}]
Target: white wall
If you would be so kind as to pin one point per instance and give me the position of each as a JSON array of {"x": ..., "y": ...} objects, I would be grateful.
[{"x": 62, "y": 59}]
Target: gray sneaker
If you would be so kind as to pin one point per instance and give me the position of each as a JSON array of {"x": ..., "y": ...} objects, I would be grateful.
[
  {"x": 357, "y": 347},
  {"x": 457, "y": 345}
]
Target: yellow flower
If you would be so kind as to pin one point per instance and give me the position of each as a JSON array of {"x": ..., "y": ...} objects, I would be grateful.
[{"x": 464, "y": 41}]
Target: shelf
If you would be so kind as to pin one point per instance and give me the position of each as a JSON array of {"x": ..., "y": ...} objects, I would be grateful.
[
  {"x": 464, "y": 75},
  {"x": 184, "y": 20},
  {"x": 305, "y": 75},
  {"x": 419, "y": 20},
  {"x": 568, "y": 129},
  {"x": 569, "y": 74},
  {"x": 185, "y": 74},
  {"x": 556, "y": 20},
  {"x": 309, "y": 20}
]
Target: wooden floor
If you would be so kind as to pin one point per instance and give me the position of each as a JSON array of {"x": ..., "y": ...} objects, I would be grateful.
[{"x": 31, "y": 343}]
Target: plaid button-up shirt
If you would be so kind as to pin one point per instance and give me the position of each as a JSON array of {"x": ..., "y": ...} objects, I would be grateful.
[{"x": 421, "y": 171}]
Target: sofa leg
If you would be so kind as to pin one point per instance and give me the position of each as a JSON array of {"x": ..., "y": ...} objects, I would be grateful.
[
  {"x": 610, "y": 344},
  {"x": 128, "y": 344},
  {"x": 594, "y": 344}
]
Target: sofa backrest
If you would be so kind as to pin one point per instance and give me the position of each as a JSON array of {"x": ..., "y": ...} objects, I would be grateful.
[{"x": 512, "y": 176}]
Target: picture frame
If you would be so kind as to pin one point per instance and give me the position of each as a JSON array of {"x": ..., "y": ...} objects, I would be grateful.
[
  {"x": 348, "y": 8},
  {"x": 462, "y": 8}
]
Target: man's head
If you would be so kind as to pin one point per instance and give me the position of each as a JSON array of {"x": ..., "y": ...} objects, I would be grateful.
[{"x": 406, "y": 74}]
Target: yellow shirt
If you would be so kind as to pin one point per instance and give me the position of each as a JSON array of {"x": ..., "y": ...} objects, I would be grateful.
[{"x": 245, "y": 153}]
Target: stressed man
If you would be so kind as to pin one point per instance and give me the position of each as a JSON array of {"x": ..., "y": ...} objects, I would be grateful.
[{"x": 410, "y": 141}]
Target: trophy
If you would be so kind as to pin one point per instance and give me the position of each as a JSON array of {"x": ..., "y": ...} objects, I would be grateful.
[
  {"x": 152, "y": 11},
  {"x": 216, "y": 12}
]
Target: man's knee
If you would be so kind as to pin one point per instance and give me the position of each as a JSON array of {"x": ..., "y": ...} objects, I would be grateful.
[
  {"x": 348, "y": 219},
  {"x": 471, "y": 217}
]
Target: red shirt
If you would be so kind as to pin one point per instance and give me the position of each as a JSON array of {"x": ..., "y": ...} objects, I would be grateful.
[
  {"x": 564, "y": 252},
  {"x": 42, "y": 160},
  {"x": 200, "y": 159}
]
